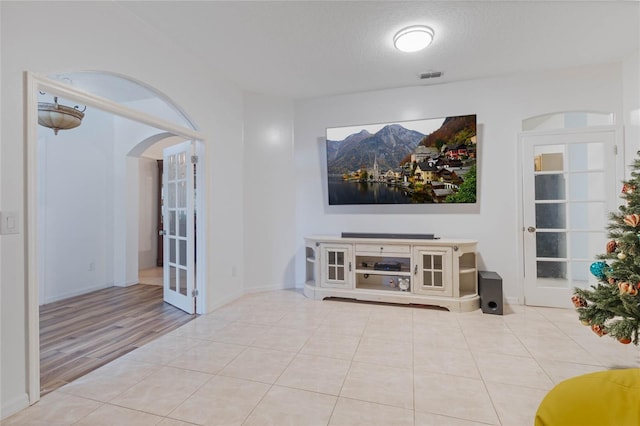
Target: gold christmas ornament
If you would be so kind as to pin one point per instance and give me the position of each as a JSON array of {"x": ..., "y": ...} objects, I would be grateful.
[
  {"x": 623, "y": 287},
  {"x": 627, "y": 288},
  {"x": 622, "y": 256},
  {"x": 632, "y": 219}
]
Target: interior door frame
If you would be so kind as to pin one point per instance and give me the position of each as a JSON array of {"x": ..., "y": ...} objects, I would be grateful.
[
  {"x": 619, "y": 173},
  {"x": 33, "y": 84}
]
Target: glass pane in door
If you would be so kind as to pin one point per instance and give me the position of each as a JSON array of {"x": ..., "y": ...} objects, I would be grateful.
[
  {"x": 582, "y": 215},
  {"x": 427, "y": 278},
  {"x": 172, "y": 250},
  {"x": 172, "y": 278},
  {"x": 432, "y": 267},
  {"x": 171, "y": 194},
  {"x": 550, "y": 216},
  {"x": 581, "y": 275},
  {"x": 549, "y": 187},
  {"x": 586, "y": 186},
  {"x": 581, "y": 247},
  {"x": 570, "y": 211},
  {"x": 551, "y": 244},
  {"x": 437, "y": 279},
  {"x": 552, "y": 270},
  {"x": 586, "y": 156},
  {"x": 335, "y": 265},
  {"x": 182, "y": 165},
  {"x": 182, "y": 279}
]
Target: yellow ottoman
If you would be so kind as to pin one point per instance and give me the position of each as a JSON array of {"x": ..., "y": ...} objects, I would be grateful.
[{"x": 605, "y": 398}]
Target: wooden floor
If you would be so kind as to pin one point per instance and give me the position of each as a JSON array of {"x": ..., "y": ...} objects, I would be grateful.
[{"x": 80, "y": 334}]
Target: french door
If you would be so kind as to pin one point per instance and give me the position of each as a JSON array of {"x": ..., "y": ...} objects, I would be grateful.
[
  {"x": 569, "y": 189},
  {"x": 178, "y": 210}
]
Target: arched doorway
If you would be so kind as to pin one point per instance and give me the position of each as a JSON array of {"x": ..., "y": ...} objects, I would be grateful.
[{"x": 36, "y": 84}]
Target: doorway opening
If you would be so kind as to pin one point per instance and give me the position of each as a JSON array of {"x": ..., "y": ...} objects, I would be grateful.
[
  {"x": 569, "y": 163},
  {"x": 121, "y": 265}
]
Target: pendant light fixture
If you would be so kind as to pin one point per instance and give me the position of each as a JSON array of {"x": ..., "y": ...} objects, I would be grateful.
[{"x": 59, "y": 117}]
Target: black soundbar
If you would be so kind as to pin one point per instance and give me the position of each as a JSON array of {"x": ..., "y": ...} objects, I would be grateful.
[{"x": 391, "y": 236}]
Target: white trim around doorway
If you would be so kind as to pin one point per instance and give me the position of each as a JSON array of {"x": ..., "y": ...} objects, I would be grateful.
[{"x": 33, "y": 84}]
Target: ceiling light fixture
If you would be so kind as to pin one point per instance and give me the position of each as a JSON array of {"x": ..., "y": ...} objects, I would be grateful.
[
  {"x": 413, "y": 39},
  {"x": 59, "y": 117}
]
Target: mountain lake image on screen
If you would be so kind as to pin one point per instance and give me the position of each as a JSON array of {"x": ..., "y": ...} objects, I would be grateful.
[{"x": 427, "y": 161}]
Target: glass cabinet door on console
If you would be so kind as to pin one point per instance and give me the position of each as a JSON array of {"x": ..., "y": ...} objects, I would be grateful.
[
  {"x": 337, "y": 267},
  {"x": 432, "y": 271}
]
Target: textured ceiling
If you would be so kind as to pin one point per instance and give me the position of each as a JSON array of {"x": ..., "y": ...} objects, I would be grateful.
[{"x": 309, "y": 49}]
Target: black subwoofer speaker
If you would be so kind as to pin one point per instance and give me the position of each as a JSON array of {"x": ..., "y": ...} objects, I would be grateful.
[{"x": 490, "y": 290}]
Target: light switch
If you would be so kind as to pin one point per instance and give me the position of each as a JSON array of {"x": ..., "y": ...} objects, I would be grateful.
[{"x": 9, "y": 223}]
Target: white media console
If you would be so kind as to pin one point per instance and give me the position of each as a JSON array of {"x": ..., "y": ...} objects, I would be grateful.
[{"x": 436, "y": 272}]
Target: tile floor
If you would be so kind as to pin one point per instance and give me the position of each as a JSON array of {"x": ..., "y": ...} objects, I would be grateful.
[{"x": 278, "y": 358}]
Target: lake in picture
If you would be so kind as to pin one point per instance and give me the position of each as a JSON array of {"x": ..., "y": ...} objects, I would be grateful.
[{"x": 347, "y": 192}]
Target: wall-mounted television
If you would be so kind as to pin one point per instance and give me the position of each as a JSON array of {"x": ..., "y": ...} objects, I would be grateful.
[{"x": 410, "y": 162}]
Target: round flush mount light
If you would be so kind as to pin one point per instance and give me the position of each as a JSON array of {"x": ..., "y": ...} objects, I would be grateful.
[{"x": 413, "y": 39}]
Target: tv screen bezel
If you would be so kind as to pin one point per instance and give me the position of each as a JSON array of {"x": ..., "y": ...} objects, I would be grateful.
[{"x": 469, "y": 162}]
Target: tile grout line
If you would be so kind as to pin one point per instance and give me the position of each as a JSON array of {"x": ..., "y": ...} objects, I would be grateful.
[
  {"x": 484, "y": 383},
  {"x": 350, "y": 366}
]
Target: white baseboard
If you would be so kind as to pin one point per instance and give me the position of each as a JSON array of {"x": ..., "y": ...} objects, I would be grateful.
[
  {"x": 232, "y": 297},
  {"x": 17, "y": 404},
  {"x": 513, "y": 300},
  {"x": 266, "y": 288},
  {"x": 221, "y": 302}
]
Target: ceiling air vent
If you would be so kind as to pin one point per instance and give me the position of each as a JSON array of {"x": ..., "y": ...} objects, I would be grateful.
[{"x": 434, "y": 74}]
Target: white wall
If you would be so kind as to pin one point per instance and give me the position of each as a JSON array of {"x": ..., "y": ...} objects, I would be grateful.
[
  {"x": 147, "y": 213},
  {"x": 214, "y": 104},
  {"x": 269, "y": 194},
  {"x": 500, "y": 104},
  {"x": 631, "y": 105},
  {"x": 132, "y": 198},
  {"x": 77, "y": 229}
]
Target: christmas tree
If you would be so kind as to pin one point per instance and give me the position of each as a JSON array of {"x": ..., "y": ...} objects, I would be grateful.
[{"x": 612, "y": 306}]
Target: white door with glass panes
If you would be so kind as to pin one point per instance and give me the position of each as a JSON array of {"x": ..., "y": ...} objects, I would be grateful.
[
  {"x": 432, "y": 271},
  {"x": 337, "y": 266},
  {"x": 568, "y": 190},
  {"x": 178, "y": 209}
]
